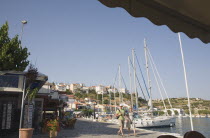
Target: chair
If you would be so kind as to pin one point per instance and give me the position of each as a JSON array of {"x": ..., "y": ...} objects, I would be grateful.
[{"x": 193, "y": 134}]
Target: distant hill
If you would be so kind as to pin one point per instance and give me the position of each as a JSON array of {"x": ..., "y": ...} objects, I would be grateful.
[{"x": 198, "y": 105}]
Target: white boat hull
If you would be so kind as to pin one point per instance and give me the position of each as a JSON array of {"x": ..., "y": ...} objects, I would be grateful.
[{"x": 160, "y": 121}]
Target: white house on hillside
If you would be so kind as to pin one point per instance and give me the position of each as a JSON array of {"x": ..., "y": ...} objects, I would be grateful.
[{"x": 100, "y": 89}]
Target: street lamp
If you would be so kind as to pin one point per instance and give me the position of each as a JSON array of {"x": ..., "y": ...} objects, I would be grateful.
[{"x": 23, "y": 23}]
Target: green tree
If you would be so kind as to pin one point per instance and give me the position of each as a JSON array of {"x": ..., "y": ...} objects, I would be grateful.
[
  {"x": 161, "y": 113},
  {"x": 68, "y": 92},
  {"x": 169, "y": 112},
  {"x": 117, "y": 94},
  {"x": 176, "y": 112},
  {"x": 12, "y": 55},
  {"x": 78, "y": 95},
  {"x": 106, "y": 101},
  {"x": 92, "y": 91}
]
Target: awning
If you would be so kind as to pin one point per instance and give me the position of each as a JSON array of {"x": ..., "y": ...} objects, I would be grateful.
[{"x": 188, "y": 16}]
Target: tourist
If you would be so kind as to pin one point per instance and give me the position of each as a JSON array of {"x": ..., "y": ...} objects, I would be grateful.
[
  {"x": 120, "y": 113},
  {"x": 129, "y": 121},
  {"x": 97, "y": 116}
]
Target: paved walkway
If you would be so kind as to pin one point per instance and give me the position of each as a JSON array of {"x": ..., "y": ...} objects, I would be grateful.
[{"x": 88, "y": 129}]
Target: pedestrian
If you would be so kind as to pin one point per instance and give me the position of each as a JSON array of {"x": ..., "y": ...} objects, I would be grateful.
[
  {"x": 96, "y": 116},
  {"x": 120, "y": 113},
  {"x": 130, "y": 121}
]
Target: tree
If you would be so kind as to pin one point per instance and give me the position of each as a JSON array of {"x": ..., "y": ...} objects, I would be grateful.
[
  {"x": 169, "y": 112},
  {"x": 31, "y": 89},
  {"x": 12, "y": 55},
  {"x": 92, "y": 91},
  {"x": 68, "y": 91},
  {"x": 78, "y": 95},
  {"x": 176, "y": 112},
  {"x": 106, "y": 101}
]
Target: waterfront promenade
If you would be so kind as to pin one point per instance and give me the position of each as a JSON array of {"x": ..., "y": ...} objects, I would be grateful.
[{"x": 89, "y": 129}]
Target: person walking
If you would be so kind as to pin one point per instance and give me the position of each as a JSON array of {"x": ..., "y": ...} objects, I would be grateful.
[
  {"x": 129, "y": 122},
  {"x": 120, "y": 113}
]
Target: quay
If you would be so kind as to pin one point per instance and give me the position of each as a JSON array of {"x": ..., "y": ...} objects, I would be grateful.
[{"x": 88, "y": 129}]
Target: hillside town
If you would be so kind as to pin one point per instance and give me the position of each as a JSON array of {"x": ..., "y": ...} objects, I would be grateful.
[{"x": 56, "y": 100}]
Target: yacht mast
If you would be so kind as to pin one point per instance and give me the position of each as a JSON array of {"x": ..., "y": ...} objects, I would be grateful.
[
  {"x": 115, "y": 100},
  {"x": 120, "y": 94},
  {"x": 130, "y": 81},
  {"x": 135, "y": 89},
  {"x": 148, "y": 75}
]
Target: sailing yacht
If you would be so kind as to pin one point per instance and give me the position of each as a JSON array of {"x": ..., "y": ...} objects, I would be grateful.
[{"x": 146, "y": 119}]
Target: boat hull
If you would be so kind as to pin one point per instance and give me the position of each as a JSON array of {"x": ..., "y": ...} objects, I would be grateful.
[{"x": 149, "y": 122}]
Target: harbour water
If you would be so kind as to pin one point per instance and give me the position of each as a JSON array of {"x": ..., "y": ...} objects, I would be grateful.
[{"x": 201, "y": 125}]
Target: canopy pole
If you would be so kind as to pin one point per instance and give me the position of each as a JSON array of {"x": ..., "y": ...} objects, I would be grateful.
[{"x": 186, "y": 82}]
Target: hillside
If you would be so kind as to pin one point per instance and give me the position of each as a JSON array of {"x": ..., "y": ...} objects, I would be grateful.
[{"x": 199, "y": 106}]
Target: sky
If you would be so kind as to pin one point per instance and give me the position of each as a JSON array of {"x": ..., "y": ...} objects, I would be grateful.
[{"x": 83, "y": 41}]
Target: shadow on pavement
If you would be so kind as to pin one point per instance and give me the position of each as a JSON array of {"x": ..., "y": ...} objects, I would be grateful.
[{"x": 85, "y": 128}]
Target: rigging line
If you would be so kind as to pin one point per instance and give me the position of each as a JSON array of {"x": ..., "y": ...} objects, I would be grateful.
[
  {"x": 115, "y": 78},
  {"x": 123, "y": 81},
  {"x": 157, "y": 84},
  {"x": 150, "y": 56},
  {"x": 114, "y": 90},
  {"x": 139, "y": 82},
  {"x": 142, "y": 76}
]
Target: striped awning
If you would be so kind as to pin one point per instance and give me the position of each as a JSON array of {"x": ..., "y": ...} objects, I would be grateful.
[{"x": 191, "y": 17}]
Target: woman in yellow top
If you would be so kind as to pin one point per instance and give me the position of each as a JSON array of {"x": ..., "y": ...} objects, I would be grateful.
[{"x": 120, "y": 114}]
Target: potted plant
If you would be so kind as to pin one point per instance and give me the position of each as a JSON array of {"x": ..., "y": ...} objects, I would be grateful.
[
  {"x": 52, "y": 127},
  {"x": 31, "y": 91}
]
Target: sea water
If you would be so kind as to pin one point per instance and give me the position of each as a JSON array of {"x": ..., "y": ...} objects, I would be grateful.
[{"x": 182, "y": 126}]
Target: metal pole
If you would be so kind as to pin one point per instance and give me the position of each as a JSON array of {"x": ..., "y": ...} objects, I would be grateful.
[
  {"x": 115, "y": 100},
  {"x": 21, "y": 35},
  {"x": 186, "y": 82},
  {"x": 102, "y": 97},
  {"x": 22, "y": 106},
  {"x": 120, "y": 94},
  {"x": 135, "y": 89},
  {"x": 148, "y": 76},
  {"x": 130, "y": 81},
  {"x": 98, "y": 102},
  {"x": 94, "y": 111},
  {"x": 110, "y": 103}
]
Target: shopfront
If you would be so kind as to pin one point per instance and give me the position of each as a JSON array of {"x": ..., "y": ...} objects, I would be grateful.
[{"x": 11, "y": 88}]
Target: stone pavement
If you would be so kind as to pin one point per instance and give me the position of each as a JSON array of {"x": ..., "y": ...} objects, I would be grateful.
[{"x": 88, "y": 129}]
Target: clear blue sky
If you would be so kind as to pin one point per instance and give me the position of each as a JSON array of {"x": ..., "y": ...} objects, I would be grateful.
[{"x": 82, "y": 41}]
